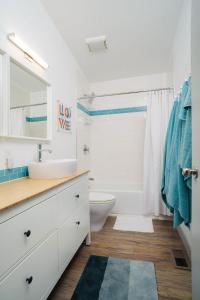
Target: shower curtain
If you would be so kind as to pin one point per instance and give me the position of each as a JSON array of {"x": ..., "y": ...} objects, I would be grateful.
[{"x": 158, "y": 112}]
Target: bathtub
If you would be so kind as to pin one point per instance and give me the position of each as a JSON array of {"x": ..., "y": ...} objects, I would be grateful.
[{"x": 128, "y": 201}]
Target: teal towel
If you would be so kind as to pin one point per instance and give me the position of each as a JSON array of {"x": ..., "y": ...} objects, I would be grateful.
[
  {"x": 186, "y": 153},
  {"x": 167, "y": 155},
  {"x": 176, "y": 189},
  {"x": 176, "y": 186},
  {"x": 186, "y": 143}
]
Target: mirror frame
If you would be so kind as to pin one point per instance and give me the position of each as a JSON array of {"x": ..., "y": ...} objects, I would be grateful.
[{"x": 5, "y": 102}]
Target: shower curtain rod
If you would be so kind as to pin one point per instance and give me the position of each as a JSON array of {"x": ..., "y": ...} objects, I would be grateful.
[
  {"x": 92, "y": 96},
  {"x": 28, "y": 105}
]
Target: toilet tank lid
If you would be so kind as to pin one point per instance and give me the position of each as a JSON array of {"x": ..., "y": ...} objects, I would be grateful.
[{"x": 100, "y": 197}]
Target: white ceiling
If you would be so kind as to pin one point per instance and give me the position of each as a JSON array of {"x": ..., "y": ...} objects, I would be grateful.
[{"x": 139, "y": 33}]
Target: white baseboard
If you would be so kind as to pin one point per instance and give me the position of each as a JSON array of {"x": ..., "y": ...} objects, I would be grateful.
[
  {"x": 161, "y": 217},
  {"x": 182, "y": 233}
]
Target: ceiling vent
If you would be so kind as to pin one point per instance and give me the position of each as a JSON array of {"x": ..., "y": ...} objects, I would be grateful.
[{"x": 96, "y": 44}]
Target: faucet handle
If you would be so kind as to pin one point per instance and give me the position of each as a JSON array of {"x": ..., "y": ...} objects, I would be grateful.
[{"x": 39, "y": 152}]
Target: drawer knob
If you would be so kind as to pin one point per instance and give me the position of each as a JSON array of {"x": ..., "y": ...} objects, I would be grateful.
[
  {"x": 29, "y": 279},
  {"x": 77, "y": 196},
  {"x": 27, "y": 233},
  {"x": 78, "y": 223}
]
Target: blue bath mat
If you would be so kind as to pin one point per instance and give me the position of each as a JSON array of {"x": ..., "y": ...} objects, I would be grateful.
[{"x": 108, "y": 278}]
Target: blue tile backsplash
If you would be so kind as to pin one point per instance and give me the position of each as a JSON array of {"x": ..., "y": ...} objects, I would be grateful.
[{"x": 12, "y": 174}]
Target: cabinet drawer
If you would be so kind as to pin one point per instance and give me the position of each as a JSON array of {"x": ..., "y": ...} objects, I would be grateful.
[
  {"x": 71, "y": 198},
  {"x": 35, "y": 276},
  {"x": 19, "y": 234},
  {"x": 72, "y": 234}
]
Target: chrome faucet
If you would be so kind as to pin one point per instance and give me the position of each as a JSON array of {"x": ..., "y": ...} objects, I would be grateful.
[{"x": 40, "y": 150}]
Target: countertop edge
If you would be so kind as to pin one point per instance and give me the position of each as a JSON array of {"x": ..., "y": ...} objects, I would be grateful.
[{"x": 59, "y": 182}]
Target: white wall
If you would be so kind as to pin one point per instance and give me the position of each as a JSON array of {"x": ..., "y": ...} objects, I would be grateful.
[
  {"x": 29, "y": 20},
  {"x": 117, "y": 141},
  {"x": 182, "y": 47},
  {"x": 132, "y": 84},
  {"x": 83, "y": 139},
  {"x": 83, "y": 126},
  {"x": 182, "y": 68}
]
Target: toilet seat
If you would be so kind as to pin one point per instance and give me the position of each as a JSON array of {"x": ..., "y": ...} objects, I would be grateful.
[{"x": 100, "y": 198}]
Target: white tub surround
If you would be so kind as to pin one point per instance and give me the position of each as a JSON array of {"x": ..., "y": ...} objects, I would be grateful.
[
  {"x": 40, "y": 234},
  {"x": 129, "y": 198}
]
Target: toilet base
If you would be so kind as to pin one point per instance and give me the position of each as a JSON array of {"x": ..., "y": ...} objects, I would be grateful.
[
  {"x": 99, "y": 214},
  {"x": 95, "y": 227}
]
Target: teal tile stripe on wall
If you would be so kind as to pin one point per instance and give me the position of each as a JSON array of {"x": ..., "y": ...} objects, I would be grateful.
[
  {"x": 36, "y": 119},
  {"x": 118, "y": 111},
  {"x": 83, "y": 108},
  {"x": 12, "y": 174},
  {"x": 114, "y": 111}
]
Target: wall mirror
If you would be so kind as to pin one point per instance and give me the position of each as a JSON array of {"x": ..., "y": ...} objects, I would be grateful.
[{"x": 28, "y": 104}]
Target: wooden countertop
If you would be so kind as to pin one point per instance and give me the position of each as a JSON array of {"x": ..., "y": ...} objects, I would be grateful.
[{"x": 18, "y": 191}]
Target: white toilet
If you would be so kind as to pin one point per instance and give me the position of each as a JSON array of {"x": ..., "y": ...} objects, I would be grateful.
[{"x": 100, "y": 206}]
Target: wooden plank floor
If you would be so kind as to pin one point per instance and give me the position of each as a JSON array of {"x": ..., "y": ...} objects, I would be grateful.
[{"x": 173, "y": 284}]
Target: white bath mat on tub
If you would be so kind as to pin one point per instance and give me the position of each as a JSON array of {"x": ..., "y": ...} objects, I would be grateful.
[{"x": 134, "y": 223}]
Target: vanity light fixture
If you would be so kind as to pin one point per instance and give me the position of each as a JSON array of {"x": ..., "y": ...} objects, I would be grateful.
[{"x": 29, "y": 54}]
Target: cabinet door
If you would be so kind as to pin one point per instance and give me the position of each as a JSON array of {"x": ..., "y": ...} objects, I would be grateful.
[
  {"x": 83, "y": 217},
  {"x": 35, "y": 276},
  {"x": 19, "y": 234},
  {"x": 71, "y": 198},
  {"x": 72, "y": 234},
  {"x": 67, "y": 242}
]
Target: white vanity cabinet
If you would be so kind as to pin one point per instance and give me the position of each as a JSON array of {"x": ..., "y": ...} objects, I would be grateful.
[{"x": 40, "y": 237}]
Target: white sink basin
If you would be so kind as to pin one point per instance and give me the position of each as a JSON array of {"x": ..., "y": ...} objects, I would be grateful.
[{"x": 49, "y": 169}]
